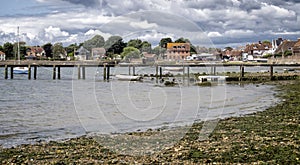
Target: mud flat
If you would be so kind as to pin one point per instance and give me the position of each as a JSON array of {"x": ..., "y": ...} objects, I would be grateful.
[{"x": 268, "y": 137}]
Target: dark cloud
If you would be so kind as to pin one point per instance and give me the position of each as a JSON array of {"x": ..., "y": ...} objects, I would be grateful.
[{"x": 87, "y": 3}]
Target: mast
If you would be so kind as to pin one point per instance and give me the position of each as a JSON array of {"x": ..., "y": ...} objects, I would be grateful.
[{"x": 19, "y": 45}]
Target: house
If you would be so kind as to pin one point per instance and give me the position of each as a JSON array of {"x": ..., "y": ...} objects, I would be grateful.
[
  {"x": 178, "y": 51},
  {"x": 296, "y": 48},
  {"x": 148, "y": 57},
  {"x": 98, "y": 53},
  {"x": 2, "y": 56},
  {"x": 233, "y": 54},
  {"x": 286, "y": 45},
  {"x": 275, "y": 44},
  {"x": 258, "y": 49},
  {"x": 82, "y": 54},
  {"x": 34, "y": 52}
]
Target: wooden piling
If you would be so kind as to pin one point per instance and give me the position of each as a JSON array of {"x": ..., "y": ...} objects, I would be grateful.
[
  {"x": 54, "y": 72},
  {"x": 58, "y": 72},
  {"x": 107, "y": 72},
  {"x": 133, "y": 70},
  {"x": 6, "y": 72},
  {"x": 78, "y": 72},
  {"x": 271, "y": 72},
  {"x": 104, "y": 72},
  {"x": 29, "y": 72},
  {"x": 129, "y": 70},
  {"x": 188, "y": 74},
  {"x": 242, "y": 72},
  {"x": 215, "y": 70},
  {"x": 12, "y": 72},
  {"x": 83, "y": 72},
  {"x": 34, "y": 72},
  {"x": 160, "y": 72}
]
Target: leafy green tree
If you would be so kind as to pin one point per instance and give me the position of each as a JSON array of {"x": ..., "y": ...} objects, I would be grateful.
[
  {"x": 182, "y": 40},
  {"x": 130, "y": 52},
  {"x": 137, "y": 43},
  {"x": 96, "y": 42},
  {"x": 266, "y": 42},
  {"x": 8, "y": 49},
  {"x": 1, "y": 48},
  {"x": 146, "y": 47},
  {"x": 114, "y": 45},
  {"x": 163, "y": 42},
  {"x": 58, "y": 51},
  {"x": 71, "y": 48},
  {"x": 48, "y": 49},
  {"x": 22, "y": 49},
  {"x": 159, "y": 51}
]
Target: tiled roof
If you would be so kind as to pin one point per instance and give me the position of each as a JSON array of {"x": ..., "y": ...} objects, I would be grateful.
[{"x": 285, "y": 45}]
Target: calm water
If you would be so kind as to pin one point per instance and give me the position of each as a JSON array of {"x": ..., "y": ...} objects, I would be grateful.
[{"x": 45, "y": 109}]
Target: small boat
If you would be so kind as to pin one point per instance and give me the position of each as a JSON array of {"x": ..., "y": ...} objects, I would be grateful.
[
  {"x": 212, "y": 78},
  {"x": 175, "y": 69},
  {"x": 20, "y": 70},
  {"x": 128, "y": 77}
]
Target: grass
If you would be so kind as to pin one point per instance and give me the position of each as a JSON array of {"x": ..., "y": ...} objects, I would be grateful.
[{"x": 267, "y": 137}]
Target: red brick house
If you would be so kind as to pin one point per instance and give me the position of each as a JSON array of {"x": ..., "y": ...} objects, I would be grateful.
[{"x": 178, "y": 51}]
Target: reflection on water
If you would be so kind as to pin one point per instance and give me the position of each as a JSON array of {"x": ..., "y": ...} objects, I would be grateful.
[{"x": 46, "y": 109}]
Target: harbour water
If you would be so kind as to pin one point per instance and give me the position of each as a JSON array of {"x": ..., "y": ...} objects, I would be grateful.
[{"x": 45, "y": 109}]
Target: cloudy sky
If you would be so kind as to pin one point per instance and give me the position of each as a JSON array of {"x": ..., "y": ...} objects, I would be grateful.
[{"x": 217, "y": 23}]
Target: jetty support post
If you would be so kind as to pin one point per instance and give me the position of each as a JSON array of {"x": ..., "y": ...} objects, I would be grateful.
[
  {"x": 271, "y": 72},
  {"x": 133, "y": 70},
  {"x": 183, "y": 73},
  {"x": 107, "y": 72},
  {"x": 29, "y": 72},
  {"x": 83, "y": 72},
  {"x": 160, "y": 72},
  {"x": 129, "y": 70},
  {"x": 188, "y": 74},
  {"x": 104, "y": 72},
  {"x": 58, "y": 72},
  {"x": 242, "y": 72},
  {"x": 6, "y": 72},
  {"x": 54, "y": 72},
  {"x": 34, "y": 72},
  {"x": 79, "y": 72},
  {"x": 12, "y": 72},
  {"x": 215, "y": 70}
]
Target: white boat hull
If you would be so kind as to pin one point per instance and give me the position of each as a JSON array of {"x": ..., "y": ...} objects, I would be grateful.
[
  {"x": 20, "y": 70},
  {"x": 128, "y": 77},
  {"x": 212, "y": 78}
]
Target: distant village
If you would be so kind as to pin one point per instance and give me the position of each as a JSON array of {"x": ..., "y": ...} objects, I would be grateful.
[{"x": 260, "y": 51}]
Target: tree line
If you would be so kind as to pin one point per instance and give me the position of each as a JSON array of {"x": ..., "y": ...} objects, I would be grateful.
[{"x": 114, "y": 46}]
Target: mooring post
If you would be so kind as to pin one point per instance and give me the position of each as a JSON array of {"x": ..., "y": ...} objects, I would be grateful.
[
  {"x": 108, "y": 72},
  {"x": 242, "y": 72},
  {"x": 104, "y": 72},
  {"x": 160, "y": 72},
  {"x": 129, "y": 70},
  {"x": 133, "y": 70},
  {"x": 6, "y": 72},
  {"x": 188, "y": 74},
  {"x": 156, "y": 71},
  {"x": 83, "y": 72},
  {"x": 34, "y": 72},
  {"x": 78, "y": 72},
  {"x": 183, "y": 73},
  {"x": 12, "y": 72},
  {"x": 29, "y": 72},
  {"x": 54, "y": 72},
  {"x": 271, "y": 72},
  {"x": 58, "y": 72},
  {"x": 215, "y": 70}
]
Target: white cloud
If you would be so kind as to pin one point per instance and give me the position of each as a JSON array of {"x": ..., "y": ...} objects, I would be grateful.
[
  {"x": 214, "y": 34},
  {"x": 143, "y": 25}
]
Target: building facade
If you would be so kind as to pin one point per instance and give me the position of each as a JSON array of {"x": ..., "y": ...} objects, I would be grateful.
[{"x": 178, "y": 51}]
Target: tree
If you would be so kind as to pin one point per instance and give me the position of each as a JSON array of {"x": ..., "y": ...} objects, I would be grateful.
[
  {"x": 48, "y": 49},
  {"x": 8, "y": 49},
  {"x": 163, "y": 42},
  {"x": 182, "y": 40},
  {"x": 266, "y": 42},
  {"x": 71, "y": 48},
  {"x": 22, "y": 49},
  {"x": 114, "y": 45},
  {"x": 137, "y": 43},
  {"x": 1, "y": 48},
  {"x": 130, "y": 52},
  {"x": 146, "y": 47},
  {"x": 58, "y": 51},
  {"x": 159, "y": 51},
  {"x": 96, "y": 42}
]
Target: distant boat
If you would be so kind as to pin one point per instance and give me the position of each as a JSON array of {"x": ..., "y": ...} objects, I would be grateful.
[
  {"x": 212, "y": 78},
  {"x": 20, "y": 70},
  {"x": 174, "y": 69},
  {"x": 128, "y": 77}
]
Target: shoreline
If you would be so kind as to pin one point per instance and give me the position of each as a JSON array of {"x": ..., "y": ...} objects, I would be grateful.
[{"x": 268, "y": 136}]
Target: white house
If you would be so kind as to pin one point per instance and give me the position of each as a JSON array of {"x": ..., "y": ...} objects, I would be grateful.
[
  {"x": 2, "y": 56},
  {"x": 82, "y": 54}
]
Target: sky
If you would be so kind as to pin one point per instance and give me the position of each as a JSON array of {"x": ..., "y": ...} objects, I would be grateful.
[{"x": 213, "y": 23}]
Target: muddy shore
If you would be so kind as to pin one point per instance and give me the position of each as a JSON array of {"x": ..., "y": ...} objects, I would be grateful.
[{"x": 267, "y": 137}]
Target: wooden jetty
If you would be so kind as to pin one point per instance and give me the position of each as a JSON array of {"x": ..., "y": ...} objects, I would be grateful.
[{"x": 81, "y": 67}]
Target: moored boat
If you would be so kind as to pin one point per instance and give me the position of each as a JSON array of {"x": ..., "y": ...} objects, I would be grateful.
[
  {"x": 20, "y": 70},
  {"x": 174, "y": 69},
  {"x": 128, "y": 77},
  {"x": 211, "y": 78}
]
